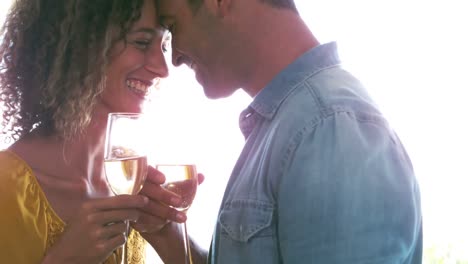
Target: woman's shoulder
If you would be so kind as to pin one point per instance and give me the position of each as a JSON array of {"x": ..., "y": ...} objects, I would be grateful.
[
  {"x": 18, "y": 183},
  {"x": 18, "y": 166},
  {"x": 23, "y": 155},
  {"x": 13, "y": 167},
  {"x": 22, "y": 206},
  {"x": 19, "y": 189}
]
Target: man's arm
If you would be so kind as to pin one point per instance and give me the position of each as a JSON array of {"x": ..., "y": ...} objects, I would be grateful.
[
  {"x": 169, "y": 244},
  {"x": 349, "y": 195},
  {"x": 161, "y": 225}
]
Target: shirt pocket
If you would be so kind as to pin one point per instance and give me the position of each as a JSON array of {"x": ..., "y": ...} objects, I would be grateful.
[{"x": 246, "y": 219}]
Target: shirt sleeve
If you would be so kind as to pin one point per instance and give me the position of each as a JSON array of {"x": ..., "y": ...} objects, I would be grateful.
[{"x": 349, "y": 195}]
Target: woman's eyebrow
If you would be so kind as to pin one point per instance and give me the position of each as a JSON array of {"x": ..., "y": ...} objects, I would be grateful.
[{"x": 144, "y": 30}]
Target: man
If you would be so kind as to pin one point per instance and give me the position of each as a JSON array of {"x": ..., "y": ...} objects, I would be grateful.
[{"x": 322, "y": 177}]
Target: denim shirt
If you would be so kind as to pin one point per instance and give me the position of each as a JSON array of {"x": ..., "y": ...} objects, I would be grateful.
[{"x": 322, "y": 177}]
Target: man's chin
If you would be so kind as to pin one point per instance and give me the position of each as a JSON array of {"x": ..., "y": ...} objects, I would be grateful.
[{"x": 214, "y": 93}]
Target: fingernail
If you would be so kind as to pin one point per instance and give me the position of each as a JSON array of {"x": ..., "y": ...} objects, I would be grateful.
[
  {"x": 145, "y": 199},
  {"x": 181, "y": 217},
  {"x": 175, "y": 201}
]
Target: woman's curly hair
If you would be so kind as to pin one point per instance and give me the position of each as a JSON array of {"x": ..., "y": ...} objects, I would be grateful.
[{"x": 53, "y": 59}]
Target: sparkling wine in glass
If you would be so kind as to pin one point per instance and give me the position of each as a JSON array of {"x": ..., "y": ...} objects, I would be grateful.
[
  {"x": 125, "y": 161},
  {"x": 182, "y": 180},
  {"x": 126, "y": 175}
]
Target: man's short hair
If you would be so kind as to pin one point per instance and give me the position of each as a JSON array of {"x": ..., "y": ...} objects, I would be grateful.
[
  {"x": 289, "y": 4},
  {"x": 195, "y": 4}
]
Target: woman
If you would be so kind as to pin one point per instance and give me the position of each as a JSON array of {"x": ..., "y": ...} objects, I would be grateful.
[{"x": 64, "y": 66}]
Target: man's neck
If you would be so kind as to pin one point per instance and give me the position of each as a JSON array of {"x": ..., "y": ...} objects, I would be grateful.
[{"x": 279, "y": 37}]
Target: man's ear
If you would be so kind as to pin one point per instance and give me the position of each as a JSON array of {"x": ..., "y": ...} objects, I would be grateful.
[{"x": 219, "y": 7}]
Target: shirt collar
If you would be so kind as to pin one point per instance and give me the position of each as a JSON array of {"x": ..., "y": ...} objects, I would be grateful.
[{"x": 267, "y": 101}]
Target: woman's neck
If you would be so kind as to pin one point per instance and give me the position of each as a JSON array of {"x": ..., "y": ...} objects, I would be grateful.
[
  {"x": 77, "y": 160},
  {"x": 85, "y": 152}
]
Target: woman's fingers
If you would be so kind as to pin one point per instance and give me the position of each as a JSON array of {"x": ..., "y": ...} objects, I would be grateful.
[
  {"x": 148, "y": 223},
  {"x": 108, "y": 217},
  {"x": 111, "y": 230},
  {"x": 116, "y": 202},
  {"x": 111, "y": 244},
  {"x": 98, "y": 228}
]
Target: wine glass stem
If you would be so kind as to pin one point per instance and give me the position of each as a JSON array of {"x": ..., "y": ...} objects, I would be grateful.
[
  {"x": 124, "y": 246},
  {"x": 188, "y": 253}
]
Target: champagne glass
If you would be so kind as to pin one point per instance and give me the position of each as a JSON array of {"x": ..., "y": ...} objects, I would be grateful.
[
  {"x": 125, "y": 158},
  {"x": 181, "y": 179}
]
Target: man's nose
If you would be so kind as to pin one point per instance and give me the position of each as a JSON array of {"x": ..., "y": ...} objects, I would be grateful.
[{"x": 177, "y": 57}]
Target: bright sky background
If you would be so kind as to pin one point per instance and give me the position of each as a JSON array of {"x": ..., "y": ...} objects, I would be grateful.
[{"x": 411, "y": 54}]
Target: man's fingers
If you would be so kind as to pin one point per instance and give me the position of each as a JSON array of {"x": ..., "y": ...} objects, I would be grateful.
[
  {"x": 162, "y": 211},
  {"x": 201, "y": 178},
  {"x": 155, "y": 176},
  {"x": 158, "y": 194}
]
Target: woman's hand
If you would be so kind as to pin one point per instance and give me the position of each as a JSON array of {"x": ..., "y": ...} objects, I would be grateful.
[
  {"x": 158, "y": 212},
  {"x": 97, "y": 230}
]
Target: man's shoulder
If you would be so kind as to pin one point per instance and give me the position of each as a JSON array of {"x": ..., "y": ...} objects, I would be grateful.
[
  {"x": 320, "y": 96},
  {"x": 332, "y": 88}
]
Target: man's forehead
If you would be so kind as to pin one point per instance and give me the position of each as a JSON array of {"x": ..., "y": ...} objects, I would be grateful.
[{"x": 169, "y": 5}]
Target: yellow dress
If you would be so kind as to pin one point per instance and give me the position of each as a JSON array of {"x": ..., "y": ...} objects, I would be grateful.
[{"x": 29, "y": 225}]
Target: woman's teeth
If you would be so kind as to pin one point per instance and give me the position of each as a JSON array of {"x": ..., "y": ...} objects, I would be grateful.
[{"x": 138, "y": 87}]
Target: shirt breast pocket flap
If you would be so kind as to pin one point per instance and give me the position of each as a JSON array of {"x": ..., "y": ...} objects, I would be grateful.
[{"x": 245, "y": 219}]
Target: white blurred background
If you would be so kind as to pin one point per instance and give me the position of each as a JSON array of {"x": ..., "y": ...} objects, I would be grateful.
[{"x": 411, "y": 54}]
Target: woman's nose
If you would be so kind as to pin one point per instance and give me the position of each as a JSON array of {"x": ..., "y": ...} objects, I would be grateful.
[{"x": 156, "y": 61}]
